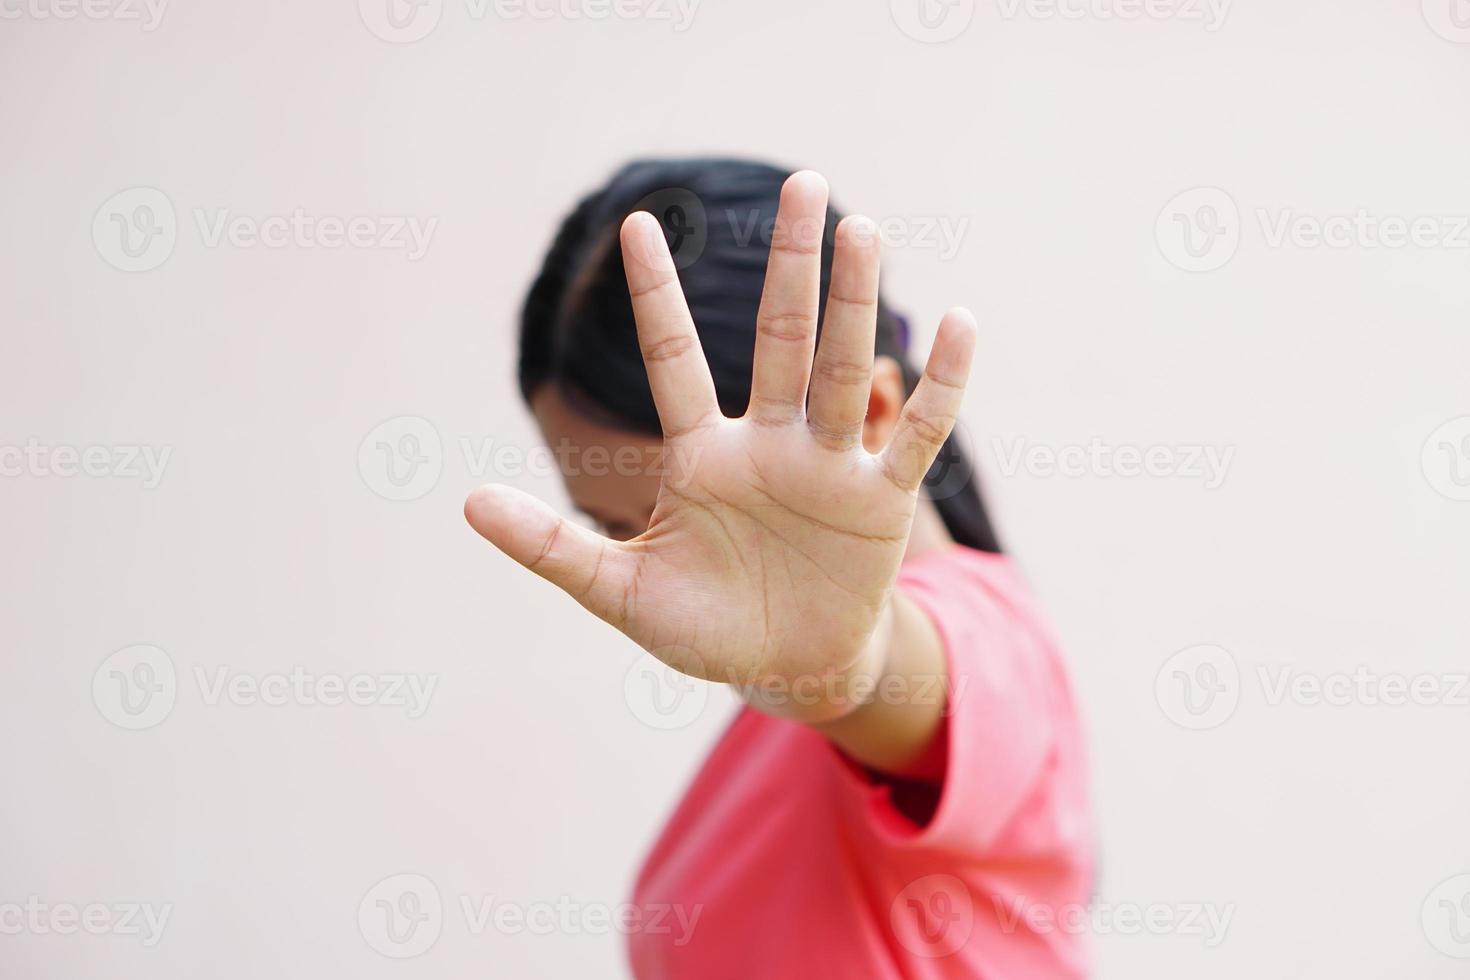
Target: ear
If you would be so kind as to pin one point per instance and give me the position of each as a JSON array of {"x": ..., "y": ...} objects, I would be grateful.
[{"x": 885, "y": 401}]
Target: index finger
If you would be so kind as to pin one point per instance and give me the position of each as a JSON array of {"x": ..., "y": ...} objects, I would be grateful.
[{"x": 683, "y": 390}]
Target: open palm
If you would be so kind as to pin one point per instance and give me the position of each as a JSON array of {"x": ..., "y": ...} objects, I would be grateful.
[{"x": 777, "y": 537}]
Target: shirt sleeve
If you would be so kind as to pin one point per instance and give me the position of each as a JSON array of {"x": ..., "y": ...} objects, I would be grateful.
[{"x": 1007, "y": 705}]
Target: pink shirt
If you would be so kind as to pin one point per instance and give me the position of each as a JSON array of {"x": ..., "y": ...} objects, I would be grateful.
[{"x": 785, "y": 859}]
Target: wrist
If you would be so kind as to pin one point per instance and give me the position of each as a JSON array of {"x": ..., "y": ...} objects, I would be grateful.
[{"x": 833, "y": 694}]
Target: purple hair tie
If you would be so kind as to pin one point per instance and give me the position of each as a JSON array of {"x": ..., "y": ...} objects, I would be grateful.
[{"x": 903, "y": 331}]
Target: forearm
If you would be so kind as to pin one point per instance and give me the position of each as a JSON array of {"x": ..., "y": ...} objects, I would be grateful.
[{"x": 887, "y": 708}]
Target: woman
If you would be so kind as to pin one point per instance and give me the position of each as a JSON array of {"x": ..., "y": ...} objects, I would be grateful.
[{"x": 904, "y": 795}]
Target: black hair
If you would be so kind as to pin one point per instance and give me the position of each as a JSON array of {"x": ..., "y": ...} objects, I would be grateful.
[{"x": 577, "y": 328}]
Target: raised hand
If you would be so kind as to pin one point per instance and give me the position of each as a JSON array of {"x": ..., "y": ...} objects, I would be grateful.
[{"x": 776, "y": 540}]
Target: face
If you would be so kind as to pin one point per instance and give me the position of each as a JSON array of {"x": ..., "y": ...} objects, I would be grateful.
[{"x": 612, "y": 475}]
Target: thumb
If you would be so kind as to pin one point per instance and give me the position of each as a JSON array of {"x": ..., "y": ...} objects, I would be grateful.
[{"x": 590, "y": 568}]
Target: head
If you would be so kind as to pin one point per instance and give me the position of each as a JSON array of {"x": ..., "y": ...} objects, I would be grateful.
[{"x": 581, "y": 371}]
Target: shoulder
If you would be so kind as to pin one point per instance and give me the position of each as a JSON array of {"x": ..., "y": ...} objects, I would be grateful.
[{"x": 975, "y": 585}]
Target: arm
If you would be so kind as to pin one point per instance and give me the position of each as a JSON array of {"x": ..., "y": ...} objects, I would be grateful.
[
  {"x": 884, "y": 711},
  {"x": 774, "y": 547}
]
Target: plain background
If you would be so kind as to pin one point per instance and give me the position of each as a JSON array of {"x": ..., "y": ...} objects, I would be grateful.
[{"x": 534, "y": 776}]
